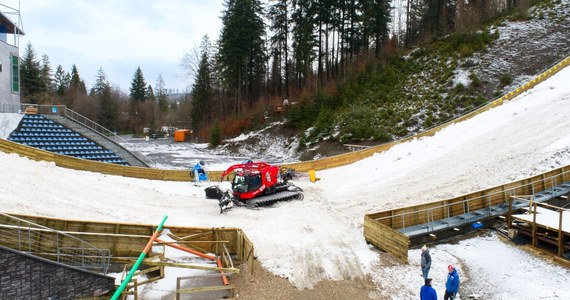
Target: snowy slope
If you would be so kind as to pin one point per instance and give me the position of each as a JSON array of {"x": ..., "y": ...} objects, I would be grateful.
[{"x": 321, "y": 238}]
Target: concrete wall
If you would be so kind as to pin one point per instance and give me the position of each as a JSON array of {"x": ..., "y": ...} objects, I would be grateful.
[
  {"x": 8, "y": 123},
  {"x": 24, "y": 276},
  {"x": 9, "y": 101}
]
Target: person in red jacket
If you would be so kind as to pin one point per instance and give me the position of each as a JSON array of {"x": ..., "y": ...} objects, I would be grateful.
[
  {"x": 427, "y": 292},
  {"x": 452, "y": 284}
]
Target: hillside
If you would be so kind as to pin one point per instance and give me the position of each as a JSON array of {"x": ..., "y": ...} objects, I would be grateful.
[
  {"x": 433, "y": 84},
  {"x": 314, "y": 249}
]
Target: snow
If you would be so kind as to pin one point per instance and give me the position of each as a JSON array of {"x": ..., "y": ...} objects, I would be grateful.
[
  {"x": 9, "y": 122},
  {"x": 462, "y": 77},
  {"x": 320, "y": 238},
  {"x": 548, "y": 218}
]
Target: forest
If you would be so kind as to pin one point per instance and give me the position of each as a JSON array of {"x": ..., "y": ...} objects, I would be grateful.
[{"x": 345, "y": 70}]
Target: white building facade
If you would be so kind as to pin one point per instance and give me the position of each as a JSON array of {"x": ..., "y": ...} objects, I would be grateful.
[{"x": 9, "y": 65}]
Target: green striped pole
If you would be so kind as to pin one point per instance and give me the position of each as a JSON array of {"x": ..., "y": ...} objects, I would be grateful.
[{"x": 119, "y": 291}]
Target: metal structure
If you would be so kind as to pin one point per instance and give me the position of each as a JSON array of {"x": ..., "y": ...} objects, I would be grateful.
[
  {"x": 18, "y": 28},
  {"x": 467, "y": 216},
  {"x": 38, "y": 240}
]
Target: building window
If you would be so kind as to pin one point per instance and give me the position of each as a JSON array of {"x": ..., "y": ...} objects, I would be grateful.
[{"x": 15, "y": 74}]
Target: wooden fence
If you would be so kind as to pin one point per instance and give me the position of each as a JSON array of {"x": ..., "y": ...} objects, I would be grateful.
[
  {"x": 320, "y": 164},
  {"x": 126, "y": 241}
]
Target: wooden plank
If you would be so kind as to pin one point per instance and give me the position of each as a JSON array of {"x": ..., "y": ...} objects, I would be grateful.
[
  {"x": 206, "y": 289},
  {"x": 191, "y": 266}
]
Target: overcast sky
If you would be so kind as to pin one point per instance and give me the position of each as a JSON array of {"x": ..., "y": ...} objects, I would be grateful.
[{"x": 118, "y": 36}]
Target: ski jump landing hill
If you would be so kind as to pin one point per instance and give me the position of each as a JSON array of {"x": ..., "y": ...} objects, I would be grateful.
[{"x": 379, "y": 230}]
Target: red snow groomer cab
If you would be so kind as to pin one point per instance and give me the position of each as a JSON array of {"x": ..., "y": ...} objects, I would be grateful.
[{"x": 256, "y": 184}]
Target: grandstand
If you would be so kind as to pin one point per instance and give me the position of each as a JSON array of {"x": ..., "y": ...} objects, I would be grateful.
[{"x": 40, "y": 132}]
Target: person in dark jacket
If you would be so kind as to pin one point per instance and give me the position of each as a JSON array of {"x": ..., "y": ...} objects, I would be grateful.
[
  {"x": 427, "y": 292},
  {"x": 452, "y": 284},
  {"x": 426, "y": 262}
]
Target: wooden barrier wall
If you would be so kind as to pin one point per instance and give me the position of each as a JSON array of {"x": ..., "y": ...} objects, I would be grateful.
[
  {"x": 126, "y": 241},
  {"x": 94, "y": 166},
  {"x": 386, "y": 238},
  {"x": 381, "y": 228},
  {"x": 320, "y": 164}
]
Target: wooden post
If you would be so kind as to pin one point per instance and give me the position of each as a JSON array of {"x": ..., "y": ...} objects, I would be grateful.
[
  {"x": 534, "y": 239},
  {"x": 509, "y": 221},
  {"x": 177, "y": 288},
  {"x": 560, "y": 235}
]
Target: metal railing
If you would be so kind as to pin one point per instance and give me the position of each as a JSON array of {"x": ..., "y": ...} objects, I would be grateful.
[
  {"x": 10, "y": 107},
  {"x": 398, "y": 221},
  {"x": 38, "y": 240}
]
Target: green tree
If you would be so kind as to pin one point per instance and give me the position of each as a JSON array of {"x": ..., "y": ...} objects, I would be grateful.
[
  {"x": 46, "y": 77},
  {"x": 161, "y": 95},
  {"x": 150, "y": 96},
  {"x": 241, "y": 54},
  {"x": 32, "y": 84},
  {"x": 304, "y": 40},
  {"x": 138, "y": 87},
  {"x": 202, "y": 93},
  {"x": 107, "y": 116},
  {"x": 216, "y": 135},
  {"x": 76, "y": 83},
  {"x": 77, "y": 88},
  {"x": 61, "y": 81},
  {"x": 376, "y": 18},
  {"x": 278, "y": 16}
]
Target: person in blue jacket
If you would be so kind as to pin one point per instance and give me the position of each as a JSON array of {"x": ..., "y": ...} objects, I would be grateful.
[
  {"x": 427, "y": 292},
  {"x": 452, "y": 284}
]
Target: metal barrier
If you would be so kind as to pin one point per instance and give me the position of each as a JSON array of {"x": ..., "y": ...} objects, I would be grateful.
[
  {"x": 45, "y": 242},
  {"x": 10, "y": 107}
]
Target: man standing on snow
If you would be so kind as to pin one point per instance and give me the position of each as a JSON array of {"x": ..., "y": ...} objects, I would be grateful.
[
  {"x": 427, "y": 292},
  {"x": 452, "y": 284},
  {"x": 426, "y": 262}
]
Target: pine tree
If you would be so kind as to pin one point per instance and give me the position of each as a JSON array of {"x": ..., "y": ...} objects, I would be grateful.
[
  {"x": 376, "y": 17},
  {"x": 107, "y": 116},
  {"x": 150, "y": 96},
  {"x": 31, "y": 75},
  {"x": 46, "y": 75},
  {"x": 278, "y": 15},
  {"x": 161, "y": 95},
  {"x": 304, "y": 40},
  {"x": 202, "y": 94},
  {"x": 138, "y": 87},
  {"x": 61, "y": 81},
  {"x": 241, "y": 50},
  {"x": 77, "y": 84},
  {"x": 76, "y": 90}
]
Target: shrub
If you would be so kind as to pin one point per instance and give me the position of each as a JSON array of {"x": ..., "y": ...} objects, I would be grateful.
[
  {"x": 505, "y": 79},
  {"x": 475, "y": 81},
  {"x": 215, "y": 135},
  {"x": 458, "y": 88}
]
